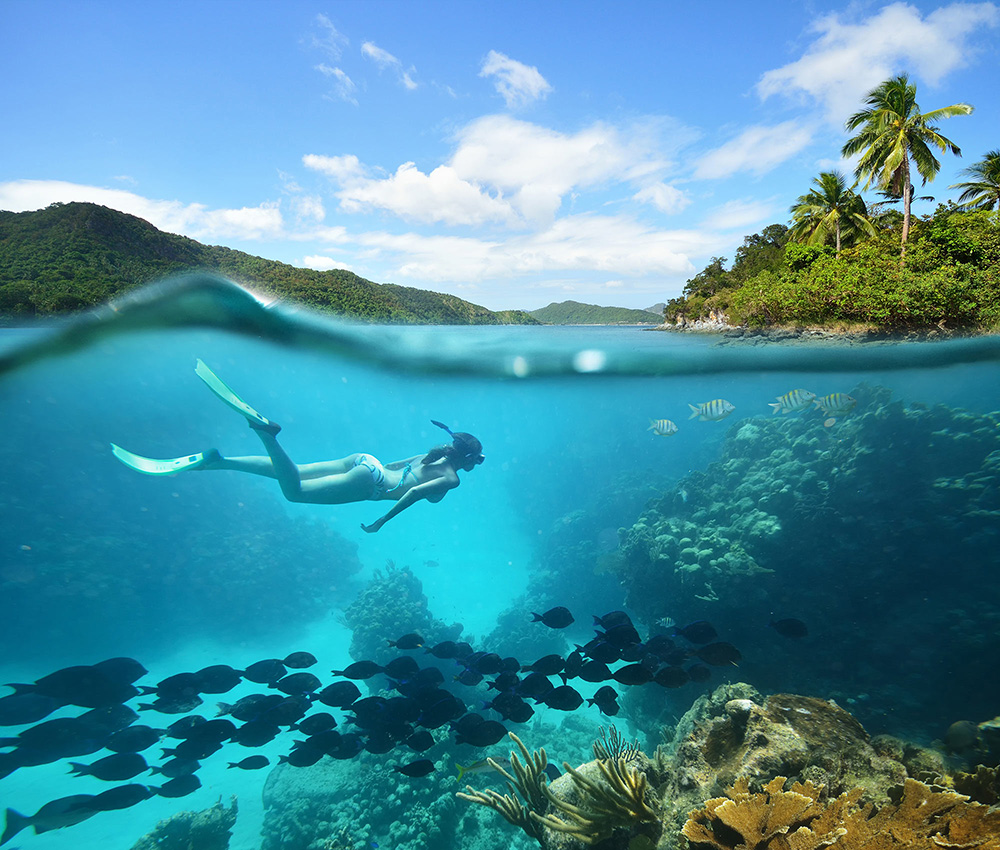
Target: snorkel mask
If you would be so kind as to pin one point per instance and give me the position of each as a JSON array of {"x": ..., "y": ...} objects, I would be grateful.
[{"x": 468, "y": 445}]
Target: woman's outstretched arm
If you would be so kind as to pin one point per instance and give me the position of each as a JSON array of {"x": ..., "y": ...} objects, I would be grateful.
[{"x": 435, "y": 490}]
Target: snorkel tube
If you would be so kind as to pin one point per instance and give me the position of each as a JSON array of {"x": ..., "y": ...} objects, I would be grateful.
[{"x": 468, "y": 445}]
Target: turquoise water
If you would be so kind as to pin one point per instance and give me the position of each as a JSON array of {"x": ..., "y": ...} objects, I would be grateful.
[{"x": 208, "y": 568}]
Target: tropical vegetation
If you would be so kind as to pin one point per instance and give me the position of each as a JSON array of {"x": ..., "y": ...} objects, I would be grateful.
[
  {"x": 830, "y": 209},
  {"x": 846, "y": 264},
  {"x": 68, "y": 257},
  {"x": 892, "y": 132},
  {"x": 575, "y": 313},
  {"x": 982, "y": 192}
]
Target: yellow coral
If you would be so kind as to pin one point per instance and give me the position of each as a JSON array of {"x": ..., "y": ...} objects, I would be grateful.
[{"x": 924, "y": 819}]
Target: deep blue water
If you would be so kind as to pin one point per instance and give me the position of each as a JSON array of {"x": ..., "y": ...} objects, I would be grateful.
[{"x": 215, "y": 567}]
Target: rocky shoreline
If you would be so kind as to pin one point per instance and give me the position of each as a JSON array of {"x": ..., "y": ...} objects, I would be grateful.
[{"x": 738, "y": 334}]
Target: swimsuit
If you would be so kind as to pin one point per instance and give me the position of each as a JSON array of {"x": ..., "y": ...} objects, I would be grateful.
[{"x": 378, "y": 475}]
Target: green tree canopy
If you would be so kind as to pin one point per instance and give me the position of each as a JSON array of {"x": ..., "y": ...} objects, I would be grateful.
[
  {"x": 830, "y": 209},
  {"x": 982, "y": 192},
  {"x": 890, "y": 133}
]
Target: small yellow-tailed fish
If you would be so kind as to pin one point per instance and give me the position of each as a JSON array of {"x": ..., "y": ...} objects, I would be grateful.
[
  {"x": 662, "y": 427},
  {"x": 836, "y": 404},
  {"x": 481, "y": 766},
  {"x": 793, "y": 401},
  {"x": 711, "y": 411}
]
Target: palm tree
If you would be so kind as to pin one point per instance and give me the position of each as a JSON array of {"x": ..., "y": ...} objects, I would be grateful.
[
  {"x": 891, "y": 132},
  {"x": 831, "y": 208},
  {"x": 983, "y": 191}
]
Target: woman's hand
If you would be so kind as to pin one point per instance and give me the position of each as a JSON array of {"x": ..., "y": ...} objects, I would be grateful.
[{"x": 375, "y": 526}]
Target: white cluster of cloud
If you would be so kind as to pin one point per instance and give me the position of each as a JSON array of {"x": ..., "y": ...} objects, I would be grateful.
[
  {"x": 506, "y": 172},
  {"x": 849, "y": 59},
  {"x": 579, "y": 243},
  {"x": 194, "y": 220},
  {"x": 518, "y": 84}
]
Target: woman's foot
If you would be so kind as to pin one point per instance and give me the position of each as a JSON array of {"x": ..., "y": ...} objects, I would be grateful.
[
  {"x": 208, "y": 460},
  {"x": 265, "y": 425}
]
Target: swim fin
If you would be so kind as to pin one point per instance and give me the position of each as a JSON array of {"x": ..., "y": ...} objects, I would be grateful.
[
  {"x": 151, "y": 466},
  {"x": 216, "y": 385}
]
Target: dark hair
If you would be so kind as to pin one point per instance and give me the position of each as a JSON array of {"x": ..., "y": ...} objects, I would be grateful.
[{"x": 463, "y": 447}]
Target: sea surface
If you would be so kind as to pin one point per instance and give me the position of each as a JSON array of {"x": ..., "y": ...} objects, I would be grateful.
[{"x": 890, "y": 559}]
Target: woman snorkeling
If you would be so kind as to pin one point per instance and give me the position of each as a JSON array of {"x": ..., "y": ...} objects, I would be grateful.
[{"x": 355, "y": 478}]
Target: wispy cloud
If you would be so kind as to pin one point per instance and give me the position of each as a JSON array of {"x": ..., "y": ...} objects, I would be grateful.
[
  {"x": 847, "y": 59},
  {"x": 328, "y": 39},
  {"x": 384, "y": 59},
  {"x": 741, "y": 214},
  {"x": 343, "y": 86},
  {"x": 518, "y": 84},
  {"x": 757, "y": 149}
]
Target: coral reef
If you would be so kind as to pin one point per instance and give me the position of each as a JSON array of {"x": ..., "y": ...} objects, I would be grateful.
[
  {"x": 593, "y": 802},
  {"x": 837, "y": 525},
  {"x": 775, "y": 819},
  {"x": 586, "y": 805},
  {"x": 526, "y": 780},
  {"x": 209, "y": 829},
  {"x": 392, "y": 604}
]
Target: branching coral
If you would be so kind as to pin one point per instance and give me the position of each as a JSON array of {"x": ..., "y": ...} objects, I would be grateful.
[
  {"x": 742, "y": 819},
  {"x": 924, "y": 819},
  {"x": 527, "y": 780},
  {"x": 611, "y": 745},
  {"x": 619, "y": 800}
]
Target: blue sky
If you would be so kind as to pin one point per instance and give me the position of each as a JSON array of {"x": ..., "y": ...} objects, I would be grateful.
[{"x": 511, "y": 153}]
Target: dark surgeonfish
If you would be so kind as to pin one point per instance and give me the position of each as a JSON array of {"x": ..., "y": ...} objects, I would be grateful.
[
  {"x": 719, "y": 654},
  {"x": 615, "y": 618},
  {"x": 179, "y": 787},
  {"x": 790, "y": 627},
  {"x": 555, "y": 618},
  {"x": 265, "y": 672},
  {"x": 299, "y": 660},
  {"x": 87, "y": 686},
  {"x": 116, "y": 768},
  {"x": 420, "y": 767},
  {"x": 133, "y": 739},
  {"x": 296, "y": 684},
  {"x": 700, "y": 631},
  {"x": 359, "y": 670},
  {"x": 26, "y": 707},
  {"x": 251, "y": 763},
  {"x": 66, "y": 811},
  {"x": 120, "y": 797},
  {"x": 410, "y": 641},
  {"x": 217, "y": 679}
]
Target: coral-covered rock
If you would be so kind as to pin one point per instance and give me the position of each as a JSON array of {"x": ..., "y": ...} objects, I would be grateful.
[{"x": 209, "y": 829}]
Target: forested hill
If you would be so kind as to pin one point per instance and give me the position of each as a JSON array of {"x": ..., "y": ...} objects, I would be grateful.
[
  {"x": 575, "y": 313},
  {"x": 71, "y": 256}
]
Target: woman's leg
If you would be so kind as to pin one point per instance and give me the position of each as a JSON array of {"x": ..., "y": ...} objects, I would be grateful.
[{"x": 326, "y": 482}]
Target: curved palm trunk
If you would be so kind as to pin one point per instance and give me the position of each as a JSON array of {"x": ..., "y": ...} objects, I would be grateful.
[
  {"x": 838, "y": 238},
  {"x": 906, "y": 208}
]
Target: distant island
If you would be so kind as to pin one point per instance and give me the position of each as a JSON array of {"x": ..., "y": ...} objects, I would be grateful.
[
  {"x": 69, "y": 257},
  {"x": 575, "y": 313}
]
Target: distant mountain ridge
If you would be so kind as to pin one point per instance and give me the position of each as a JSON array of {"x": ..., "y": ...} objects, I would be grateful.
[
  {"x": 72, "y": 256},
  {"x": 575, "y": 313}
]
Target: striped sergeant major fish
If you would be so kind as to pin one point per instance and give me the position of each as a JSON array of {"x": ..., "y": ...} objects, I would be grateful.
[
  {"x": 711, "y": 411},
  {"x": 792, "y": 402},
  {"x": 662, "y": 427},
  {"x": 836, "y": 404}
]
